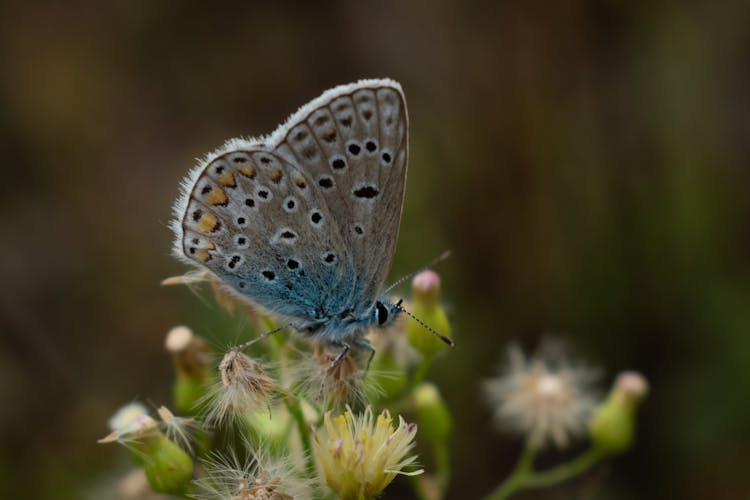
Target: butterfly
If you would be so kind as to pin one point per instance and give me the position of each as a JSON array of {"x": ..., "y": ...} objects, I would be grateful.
[{"x": 304, "y": 222}]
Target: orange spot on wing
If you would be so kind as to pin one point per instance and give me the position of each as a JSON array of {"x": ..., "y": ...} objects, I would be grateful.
[
  {"x": 217, "y": 196},
  {"x": 275, "y": 175},
  {"x": 228, "y": 180},
  {"x": 203, "y": 255},
  {"x": 329, "y": 135},
  {"x": 248, "y": 171},
  {"x": 207, "y": 223}
]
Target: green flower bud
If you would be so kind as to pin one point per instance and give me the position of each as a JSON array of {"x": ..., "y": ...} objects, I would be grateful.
[
  {"x": 433, "y": 418},
  {"x": 192, "y": 361},
  {"x": 426, "y": 307},
  {"x": 612, "y": 425},
  {"x": 168, "y": 468}
]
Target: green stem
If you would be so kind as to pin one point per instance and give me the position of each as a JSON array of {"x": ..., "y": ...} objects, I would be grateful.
[
  {"x": 420, "y": 373},
  {"x": 442, "y": 466},
  {"x": 515, "y": 481},
  {"x": 565, "y": 471},
  {"x": 418, "y": 486},
  {"x": 295, "y": 410},
  {"x": 523, "y": 476}
]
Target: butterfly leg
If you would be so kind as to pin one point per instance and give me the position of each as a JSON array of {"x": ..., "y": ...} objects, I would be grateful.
[
  {"x": 344, "y": 351},
  {"x": 362, "y": 343},
  {"x": 250, "y": 342},
  {"x": 335, "y": 363}
]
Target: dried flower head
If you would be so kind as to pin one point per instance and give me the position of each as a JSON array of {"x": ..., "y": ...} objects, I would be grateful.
[
  {"x": 320, "y": 377},
  {"x": 360, "y": 454},
  {"x": 250, "y": 477},
  {"x": 245, "y": 386},
  {"x": 542, "y": 397}
]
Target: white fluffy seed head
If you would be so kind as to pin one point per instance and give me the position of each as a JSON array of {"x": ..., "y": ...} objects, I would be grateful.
[{"x": 545, "y": 401}]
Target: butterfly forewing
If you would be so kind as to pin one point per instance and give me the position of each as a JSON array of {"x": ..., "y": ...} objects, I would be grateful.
[{"x": 354, "y": 144}]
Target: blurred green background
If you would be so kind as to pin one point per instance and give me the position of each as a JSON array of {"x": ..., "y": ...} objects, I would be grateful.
[{"x": 586, "y": 162}]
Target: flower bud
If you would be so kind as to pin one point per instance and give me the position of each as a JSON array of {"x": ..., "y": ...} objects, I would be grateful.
[
  {"x": 168, "y": 468},
  {"x": 612, "y": 426},
  {"x": 426, "y": 287},
  {"x": 192, "y": 360},
  {"x": 433, "y": 417},
  {"x": 426, "y": 306}
]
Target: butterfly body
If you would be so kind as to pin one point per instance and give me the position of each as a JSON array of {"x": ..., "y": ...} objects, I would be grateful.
[{"x": 304, "y": 223}]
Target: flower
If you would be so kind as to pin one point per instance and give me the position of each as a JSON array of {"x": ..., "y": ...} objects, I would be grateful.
[
  {"x": 360, "y": 454},
  {"x": 245, "y": 386},
  {"x": 250, "y": 477},
  {"x": 545, "y": 400}
]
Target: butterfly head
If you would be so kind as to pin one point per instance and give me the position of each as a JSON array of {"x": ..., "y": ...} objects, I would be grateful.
[{"x": 385, "y": 312}]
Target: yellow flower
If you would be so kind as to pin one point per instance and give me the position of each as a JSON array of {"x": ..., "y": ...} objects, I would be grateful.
[{"x": 360, "y": 454}]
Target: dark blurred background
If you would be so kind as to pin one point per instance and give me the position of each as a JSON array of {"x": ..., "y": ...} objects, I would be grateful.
[{"x": 587, "y": 163}]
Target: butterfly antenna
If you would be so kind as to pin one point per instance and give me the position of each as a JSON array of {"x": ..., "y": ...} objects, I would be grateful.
[
  {"x": 435, "y": 262},
  {"x": 426, "y": 326},
  {"x": 250, "y": 342}
]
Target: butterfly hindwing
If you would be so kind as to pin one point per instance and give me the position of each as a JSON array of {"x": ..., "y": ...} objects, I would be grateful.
[{"x": 253, "y": 219}]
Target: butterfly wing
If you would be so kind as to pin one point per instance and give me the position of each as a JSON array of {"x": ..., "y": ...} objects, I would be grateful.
[
  {"x": 305, "y": 223},
  {"x": 253, "y": 219},
  {"x": 353, "y": 143}
]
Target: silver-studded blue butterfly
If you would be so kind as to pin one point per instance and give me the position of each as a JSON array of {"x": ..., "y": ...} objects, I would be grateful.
[{"x": 304, "y": 222}]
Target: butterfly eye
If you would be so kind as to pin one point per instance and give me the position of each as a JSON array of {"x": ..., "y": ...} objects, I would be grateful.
[{"x": 382, "y": 313}]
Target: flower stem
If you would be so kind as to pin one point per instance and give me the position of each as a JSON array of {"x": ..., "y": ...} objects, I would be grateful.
[
  {"x": 524, "y": 477},
  {"x": 442, "y": 465},
  {"x": 565, "y": 471},
  {"x": 420, "y": 373},
  {"x": 295, "y": 410}
]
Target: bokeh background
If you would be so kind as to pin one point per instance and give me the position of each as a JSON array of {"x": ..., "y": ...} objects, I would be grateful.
[{"x": 586, "y": 162}]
